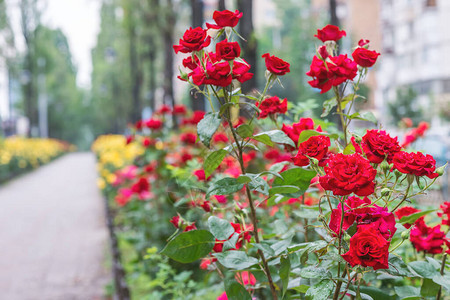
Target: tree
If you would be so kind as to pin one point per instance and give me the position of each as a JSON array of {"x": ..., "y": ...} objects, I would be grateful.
[
  {"x": 249, "y": 48},
  {"x": 30, "y": 19},
  {"x": 111, "y": 85},
  {"x": 197, "y": 100}
]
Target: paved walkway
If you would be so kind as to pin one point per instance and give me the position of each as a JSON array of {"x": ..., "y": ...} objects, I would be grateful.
[{"x": 53, "y": 237}]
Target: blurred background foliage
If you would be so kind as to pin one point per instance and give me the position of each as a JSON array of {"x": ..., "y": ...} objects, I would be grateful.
[{"x": 133, "y": 62}]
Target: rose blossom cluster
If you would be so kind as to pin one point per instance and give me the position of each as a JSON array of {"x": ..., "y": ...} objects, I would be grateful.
[
  {"x": 375, "y": 227},
  {"x": 423, "y": 237},
  {"x": 329, "y": 70}
]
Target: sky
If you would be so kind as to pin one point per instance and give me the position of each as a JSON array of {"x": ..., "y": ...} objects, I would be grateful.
[{"x": 80, "y": 22}]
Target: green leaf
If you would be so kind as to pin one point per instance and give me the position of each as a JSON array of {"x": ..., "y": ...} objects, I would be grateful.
[
  {"x": 207, "y": 127},
  {"x": 298, "y": 177},
  {"x": 281, "y": 246},
  {"x": 443, "y": 280},
  {"x": 189, "y": 246},
  {"x": 349, "y": 149},
  {"x": 412, "y": 218},
  {"x": 267, "y": 251},
  {"x": 397, "y": 267},
  {"x": 244, "y": 131},
  {"x": 429, "y": 288},
  {"x": 258, "y": 184},
  {"x": 221, "y": 229},
  {"x": 306, "y": 134},
  {"x": 314, "y": 272},
  {"x": 367, "y": 116},
  {"x": 423, "y": 268},
  {"x": 235, "y": 291},
  {"x": 284, "y": 189},
  {"x": 375, "y": 293},
  {"x": 320, "y": 290},
  {"x": 231, "y": 242},
  {"x": 273, "y": 136},
  {"x": 328, "y": 106},
  {"x": 307, "y": 212},
  {"x": 224, "y": 186},
  {"x": 285, "y": 269},
  {"x": 407, "y": 292},
  {"x": 213, "y": 161},
  {"x": 237, "y": 260}
]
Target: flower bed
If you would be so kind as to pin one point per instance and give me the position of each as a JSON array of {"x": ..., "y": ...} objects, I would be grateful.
[
  {"x": 229, "y": 207},
  {"x": 18, "y": 155}
]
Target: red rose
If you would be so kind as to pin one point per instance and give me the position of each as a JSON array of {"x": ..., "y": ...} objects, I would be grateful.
[
  {"x": 228, "y": 50},
  {"x": 193, "y": 40},
  {"x": 164, "y": 109},
  {"x": 294, "y": 131},
  {"x": 179, "y": 109},
  {"x": 427, "y": 239},
  {"x": 190, "y": 63},
  {"x": 141, "y": 188},
  {"x": 271, "y": 106},
  {"x": 344, "y": 69},
  {"x": 188, "y": 138},
  {"x": 346, "y": 174},
  {"x": 205, "y": 263},
  {"x": 200, "y": 174},
  {"x": 315, "y": 146},
  {"x": 197, "y": 117},
  {"x": 190, "y": 227},
  {"x": 225, "y": 18},
  {"x": 363, "y": 42},
  {"x": 206, "y": 205},
  {"x": 364, "y": 57},
  {"x": 215, "y": 74},
  {"x": 323, "y": 52},
  {"x": 276, "y": 65},
  {"x": 445, "y": 207},
  {"x": 337, "y": 70},
  {"x": 330, "y": 33},
  {"x": 406, "y": 211},
  {"x": 415, "y": 163},
  {"x": 154, "y": 124},
  {"x": 368, "y": 248},
  {"x": 146, "y": 141},
  {"x": 220, "y": 138},
  {"x": 363, "y": 212},
  {"x": 377, "y": 145},
  {"x": 176, "y": 221},
  {"x": 422, "y": 127},
  {"x": 245, "y": 278},
  {"x": 240, "y": 71}
]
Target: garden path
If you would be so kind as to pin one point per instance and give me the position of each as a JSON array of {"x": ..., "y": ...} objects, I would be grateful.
[{"x": 53, "y": 237}]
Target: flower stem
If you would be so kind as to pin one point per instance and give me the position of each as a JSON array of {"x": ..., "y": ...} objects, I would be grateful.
[
  {"x": 341, "y": 113},
  {"x": 251, "y": 204},
  {"x": 404, "y": 198},
  {"x": 444, "y": 257}
]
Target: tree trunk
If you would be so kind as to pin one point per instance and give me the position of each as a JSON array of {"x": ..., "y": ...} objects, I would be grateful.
[
  {"x": 168, "y": 53},
  {"x": 249, "y": 48},
  {"x": 221, "y": 5},
  {"x": 29, "y": 21},
  {"x": 197, "y": 100},
  {"x": 152, "y": 25},
  {"x": 135, "y": 69},
  {"x": 333, "y": 16}
]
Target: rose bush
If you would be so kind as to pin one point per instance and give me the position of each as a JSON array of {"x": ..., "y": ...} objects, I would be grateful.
[{"x": 259, "y": 212}]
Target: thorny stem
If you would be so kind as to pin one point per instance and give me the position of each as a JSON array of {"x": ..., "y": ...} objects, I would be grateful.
[
  {"x": 339, "y": 283},
  {"x": 252, "y": 206},
  {"x": 404, "y": 198},
  {"x": 444, "y": 257},
  {"x": 341, "y": 113}
]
